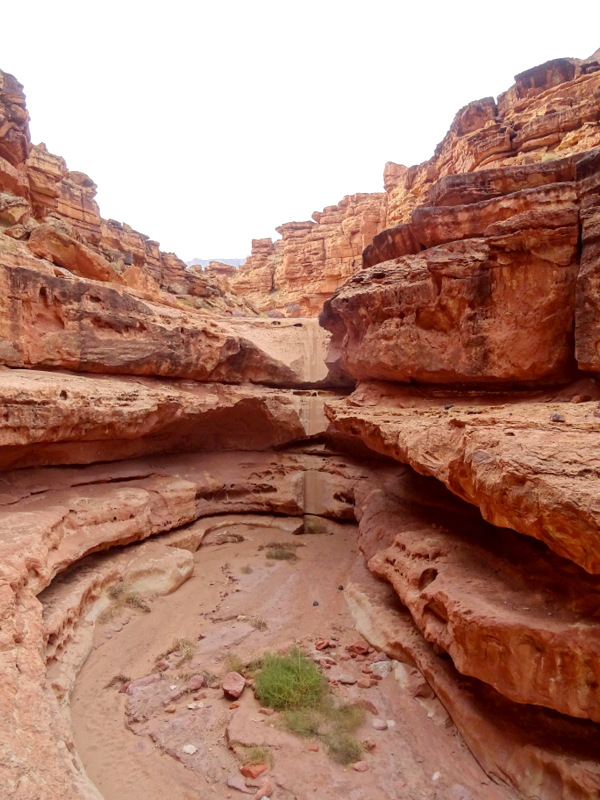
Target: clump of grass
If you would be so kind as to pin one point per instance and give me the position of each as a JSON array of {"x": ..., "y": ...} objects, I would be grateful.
[
  {"x": 258, "y": 623},
  {"x": 134, "y": 601},
  {"x": 183, "y": 647},
  {"x": 117, "y": 681},
  {"x": 258, "y": 755},
  {"x": 289, "y": 681},
  {"x": 292, "y": 683},
  {"x": 209, "y": 677},
  {"x": 306, "y": 722},
  {"x": 123, "y": 597},
  {"x": 342, "y": 747},
  {"x": 233, "y": 663},
  {"x": 246, "y": 569},
  {"x": 282, "y": 551},
  {"x": 314, "y": 525}
]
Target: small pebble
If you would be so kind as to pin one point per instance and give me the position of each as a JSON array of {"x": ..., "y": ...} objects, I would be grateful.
[
  {"x": 448, "y": 406},
  {"x": 436, "y": 776},
  {"x": 360, "y": 766},
  {"x": 315, "y": 603},
  {"x": 557, "y": 418},
  {"x": 341, "y": 588},
  {"x": 189, "y": 749}
]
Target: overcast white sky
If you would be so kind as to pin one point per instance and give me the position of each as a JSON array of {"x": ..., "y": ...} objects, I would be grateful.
[{"x": 207, "y": 124}]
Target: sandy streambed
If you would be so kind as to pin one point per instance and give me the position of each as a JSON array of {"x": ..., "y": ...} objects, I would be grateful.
[{"x": 237, "y": 605}]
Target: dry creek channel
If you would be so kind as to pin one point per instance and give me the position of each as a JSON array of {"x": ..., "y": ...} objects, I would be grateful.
[{"x": 238, "y": 604}]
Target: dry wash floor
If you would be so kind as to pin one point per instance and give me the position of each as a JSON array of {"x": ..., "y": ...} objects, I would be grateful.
[{"x": 240, "y": 604}]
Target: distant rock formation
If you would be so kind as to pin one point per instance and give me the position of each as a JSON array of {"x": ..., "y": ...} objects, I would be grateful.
[
  {"x": 52, "y": 210},
  {"x": 205, "y": 262},
  {"x": 550, "y": 112},
  {"x": 298, "y": 272}
]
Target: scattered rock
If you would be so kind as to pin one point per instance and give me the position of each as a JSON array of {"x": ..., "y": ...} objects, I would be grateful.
[
  {"x": 368, "y": 706},
  {"x": 360, "y": 766},
  {"x": 253, "y": 770},
  {"x": 379, "y": 725},
  {"x": 134, "y": 686},
  {"x": 358, "y": 648},
  {"x": 265, "y": 791},
  {"x": 235, "y": 782},
  {"x": 233, "y": 684},
  {"x": 381, "y": 668},
  {"x": 195, "y": 682},
  {"x": 369, "y": 745},
  {"x": 189, "y": 749}
]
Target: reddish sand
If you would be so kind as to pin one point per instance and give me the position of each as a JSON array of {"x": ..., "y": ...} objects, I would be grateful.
[{"x": 233, "y": 590}]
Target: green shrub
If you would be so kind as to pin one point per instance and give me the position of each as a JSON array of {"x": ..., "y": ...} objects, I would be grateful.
[{"x": 290, "y": 681}]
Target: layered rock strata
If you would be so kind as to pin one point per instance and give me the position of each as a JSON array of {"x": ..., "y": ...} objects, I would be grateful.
[
  {"x": 295, "y": 274},
  {"x": 479, "y": 290},
  {"x": 484, "y": 293},
  {"x": 550, "y": 113},
  {"x": 52, "y": 209},
  {"x": 63, "y": 418}
]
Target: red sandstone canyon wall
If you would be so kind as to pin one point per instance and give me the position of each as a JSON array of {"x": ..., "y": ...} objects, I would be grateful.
[{"x": 456, "y": 421}]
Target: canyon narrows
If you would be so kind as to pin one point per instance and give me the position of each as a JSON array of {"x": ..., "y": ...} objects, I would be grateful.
[{"x": 425, "y": 456}]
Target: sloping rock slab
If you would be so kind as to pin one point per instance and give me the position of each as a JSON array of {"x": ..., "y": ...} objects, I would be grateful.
[
  {"x": 65, "y": 418},
  {"x": 530, "y": 466},
  {"x": 540, "y": 753},
  {"x": 506, "y": 609}
]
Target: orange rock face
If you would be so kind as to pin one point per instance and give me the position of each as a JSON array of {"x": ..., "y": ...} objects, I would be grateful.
[
  {"x": 527, "y": 465},
  {"x": 550, "y": 113},
  {"x": 297, "y": 273},
  {"x": 465, "y": 312},
  {"x": 53, "y": 209},
  {"x": 480, "y": 277},
  {"x": 469, "y": 591}
]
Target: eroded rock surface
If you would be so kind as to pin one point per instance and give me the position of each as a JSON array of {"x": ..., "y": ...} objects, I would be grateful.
[
  {"x": 298, "y": 272},
  {"x": 529, "y": 466}
]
